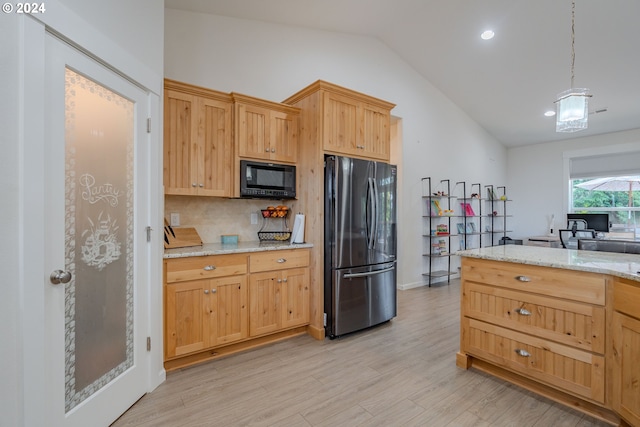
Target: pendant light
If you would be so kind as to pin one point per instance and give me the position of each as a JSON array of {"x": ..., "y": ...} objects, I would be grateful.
[{"x": 572, "y": 104}]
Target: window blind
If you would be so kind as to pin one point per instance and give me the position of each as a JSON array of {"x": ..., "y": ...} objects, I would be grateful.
[{"x": 605, "y": 165}]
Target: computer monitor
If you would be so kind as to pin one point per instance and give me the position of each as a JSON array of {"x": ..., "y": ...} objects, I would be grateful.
[{"x": 595, "y": 221}]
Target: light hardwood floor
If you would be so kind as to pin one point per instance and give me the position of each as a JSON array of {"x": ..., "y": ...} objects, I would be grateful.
[{"x": 401, "y": 373}]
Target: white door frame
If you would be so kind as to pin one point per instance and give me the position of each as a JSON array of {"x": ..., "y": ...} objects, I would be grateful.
[{"x": 31, "y": 328}]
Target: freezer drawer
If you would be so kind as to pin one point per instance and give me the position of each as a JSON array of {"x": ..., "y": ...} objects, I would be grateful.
[{"x": 361, "y": 297}]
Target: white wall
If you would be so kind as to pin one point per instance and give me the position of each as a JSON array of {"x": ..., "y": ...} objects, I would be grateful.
[
  {"x": 274, "y": 61},
  {"x": 10, "y": 350},
  {"x": 22, "y": 122},
  {"x": 536, "y": 180}
]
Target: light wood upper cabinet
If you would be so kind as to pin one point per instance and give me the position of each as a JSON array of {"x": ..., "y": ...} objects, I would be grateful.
[
  {"x": 265, "y": 130},
  {"x": 353, "y": 127},
  {"x": 198, "y": 145}
]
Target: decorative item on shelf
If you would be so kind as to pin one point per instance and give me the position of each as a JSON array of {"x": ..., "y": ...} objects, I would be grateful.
[
  {"x": 435, "y": 249},
  {"x": 442, "y": 230},
  {"x": 572, "y": 104},
  {"x": 448, "y": 212},
  {"x": 443, "y": 246},
  {"x": 436, "y": 209},
  {"x": 475, "y": 196},
  {"x": 467, "y": 209},
  {"x": 461, "y": 229}
]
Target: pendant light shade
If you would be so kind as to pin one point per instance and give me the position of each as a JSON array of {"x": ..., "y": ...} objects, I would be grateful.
[
  {"x": 572, "y": 104},
  {"x": 572, "y": 110}
]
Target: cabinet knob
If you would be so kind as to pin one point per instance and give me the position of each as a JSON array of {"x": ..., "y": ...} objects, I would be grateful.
[
  {"x": 266, "y": 150},
  {"x": 273, "y": 150},
  {"x": 209, "y": 267},
  {"x": 523, "y": 278},
  {"x": 521, "y": 352},
  {"x": 284, "y": 280},
  {"x": 279, "y": 280},
  {"x": 194, "y": 184},
  {"x": 282, "y": 260},
  {"x": 206, "y": 291},
  {"x": 201, "y": 185},
  {"x": 213, "y": 291},
  {"x": 523, "y": 311}
]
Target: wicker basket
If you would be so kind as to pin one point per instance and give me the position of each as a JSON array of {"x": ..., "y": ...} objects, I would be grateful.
[{"x": 275, "y": 236}]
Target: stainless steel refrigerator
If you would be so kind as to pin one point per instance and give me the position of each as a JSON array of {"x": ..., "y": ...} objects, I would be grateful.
[{"x": 360, "y": 244}]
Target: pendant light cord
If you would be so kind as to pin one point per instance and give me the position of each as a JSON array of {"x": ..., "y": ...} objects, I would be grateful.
[{"x": 573, "y": 40}]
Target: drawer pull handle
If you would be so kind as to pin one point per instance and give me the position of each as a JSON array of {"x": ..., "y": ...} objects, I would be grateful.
[
  {"x": 209, "y": 267},
  {"x": 523, "y": 353},
  {"x": 523, "y": 278},
  {"x": 523, "y": 311},
  {"x": 281, "y": 260}
]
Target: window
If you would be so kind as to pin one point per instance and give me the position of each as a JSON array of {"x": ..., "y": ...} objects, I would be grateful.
[{"x": 619, "y": 196}]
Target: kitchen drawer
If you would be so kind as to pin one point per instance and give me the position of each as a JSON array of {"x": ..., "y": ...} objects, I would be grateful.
[
  {"x": 560, "y": 283},
  {"x": 205, "y": 267},
  {"x": 568, "y": 322},
  {"x": 576, "y": 371},
  {"x": 278, "y": 260},
  {"x": 626, "y": 297}
]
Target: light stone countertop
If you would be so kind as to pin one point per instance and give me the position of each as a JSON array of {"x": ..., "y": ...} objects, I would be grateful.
[
  {"x": 622, "y": 265},
  {"x": 240, "y": 247}
]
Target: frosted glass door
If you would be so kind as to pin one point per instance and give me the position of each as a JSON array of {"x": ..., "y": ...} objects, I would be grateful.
[{"x": 98, "y": 204}]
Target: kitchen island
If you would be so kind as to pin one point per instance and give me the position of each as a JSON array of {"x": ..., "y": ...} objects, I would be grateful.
[
  {"x": 563, "y": 323},
  {"x": 220, "y": 299}
]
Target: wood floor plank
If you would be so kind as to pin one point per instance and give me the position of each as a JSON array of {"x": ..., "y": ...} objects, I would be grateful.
[{"x": 401, "y": 373}]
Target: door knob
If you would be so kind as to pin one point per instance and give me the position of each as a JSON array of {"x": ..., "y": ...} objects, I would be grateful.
[{"x": 59, "y": 276}]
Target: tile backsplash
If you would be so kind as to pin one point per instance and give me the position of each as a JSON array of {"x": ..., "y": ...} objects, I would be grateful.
[{"x": 214, "y": 216}]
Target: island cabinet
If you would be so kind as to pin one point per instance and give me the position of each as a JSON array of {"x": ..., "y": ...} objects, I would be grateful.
[
  {"x": 570, "y": 335},
  {"x": 626, "y": 350},
  {"x": 198, "y": 145},
  {"x": 205, "y": 303},
  {"x": 278, "y": 291},
  {"x": 265, "y": 130}
]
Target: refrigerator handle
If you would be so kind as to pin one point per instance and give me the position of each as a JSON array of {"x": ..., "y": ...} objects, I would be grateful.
[
  {"x": 371, "y": 273},
  {"x": 372, "y": 212},
  {"x": 375, "y": 213}
]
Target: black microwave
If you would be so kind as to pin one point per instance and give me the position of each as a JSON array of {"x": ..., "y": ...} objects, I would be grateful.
[{"x": 267, "y": 180}]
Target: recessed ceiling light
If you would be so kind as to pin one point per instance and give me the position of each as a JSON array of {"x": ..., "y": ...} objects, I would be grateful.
[
  {"x": 550, "y": 113},
  {"x": 487, "y": 35}
]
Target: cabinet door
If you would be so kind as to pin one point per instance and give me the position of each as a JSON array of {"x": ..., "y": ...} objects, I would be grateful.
[
  {"x": 283, "y": 137},
  {"x": 341, "y": 125},
  {"x": 376, "y": 133},
  {"x": 252, "y": 128},
  {"x": 185, "y": 328},
  {"x": 626, "y": 367},
  {"x": 227, "y": 309},
  {"x": 214, "y": 148},
  {"x": 264, "y": 303},
  {"x": 180, "y": 143},
  {"x": 295, "y": 297}
]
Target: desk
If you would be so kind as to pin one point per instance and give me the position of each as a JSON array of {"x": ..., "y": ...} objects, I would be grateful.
[{"x": 545, "y": 241}]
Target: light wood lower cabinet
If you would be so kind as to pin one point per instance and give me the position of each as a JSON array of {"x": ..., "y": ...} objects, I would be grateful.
[
  {"x": 205, "y": 313},
  {"x": 214, "y": 305},
  {"x": 278, "y": 296},
  {"x": 626, "y": 351},
  {"x": 543, "y": 328}
]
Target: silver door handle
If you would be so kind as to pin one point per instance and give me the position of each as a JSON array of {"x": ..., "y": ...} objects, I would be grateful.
[
  {"x": 523, "y": 311},
  {"x": 523, "y": 278},
  {"x": 59, "y": 276},
  {"x": 281, "y": 260},
  {"x": 209, "y": 267},
  {"x": 370, "y": 273},
  {"x": 521, "y": 352}
]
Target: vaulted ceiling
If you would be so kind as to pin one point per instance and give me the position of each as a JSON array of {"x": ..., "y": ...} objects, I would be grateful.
[{"x": 505, "y": 84}]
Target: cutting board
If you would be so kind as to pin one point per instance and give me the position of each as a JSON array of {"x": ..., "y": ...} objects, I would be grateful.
[{"x": 180, "y": 237}]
